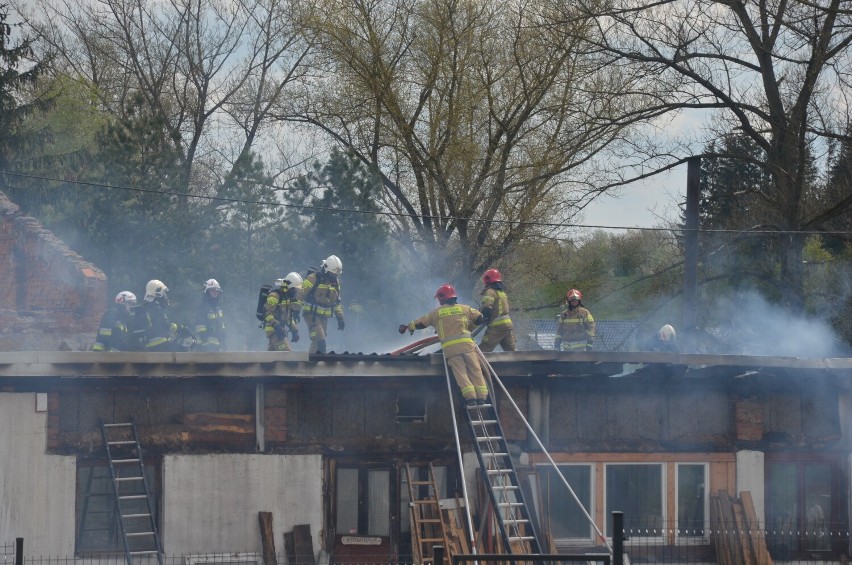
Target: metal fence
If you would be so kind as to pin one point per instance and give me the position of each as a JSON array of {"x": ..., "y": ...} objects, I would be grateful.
[{"x": 819, "y": 544}]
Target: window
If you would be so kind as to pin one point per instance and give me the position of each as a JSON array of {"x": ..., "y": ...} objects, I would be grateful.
[
  {"x": 98, "y": 529},
  {"x": 800, "y": 506},
  {"x": 566, "y": 520},
  {"x": 636, "y": 490},
  {"x": 691, "y": 499},
  {"x": 410, "y": 409},
  {"x": 363, "y": 501}
]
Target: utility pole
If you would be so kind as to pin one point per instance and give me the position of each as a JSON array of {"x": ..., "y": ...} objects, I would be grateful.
[{"x": 690, "y": 271}]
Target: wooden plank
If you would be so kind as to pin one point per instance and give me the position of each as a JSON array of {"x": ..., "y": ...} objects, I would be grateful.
[
  {"x": 759, "y": 539},
  {"x": 743, "y": 536},
  {"x": 290, "y": 547},
  {"x": 304, "y": 545},
  {"x": 267, "y": 538},
  {"x": 724, "y": 528}
]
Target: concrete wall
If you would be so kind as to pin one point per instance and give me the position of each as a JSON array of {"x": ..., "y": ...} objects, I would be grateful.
[
  {"x": 36, "y": 490},
  {"x": 211, "y": 502}
]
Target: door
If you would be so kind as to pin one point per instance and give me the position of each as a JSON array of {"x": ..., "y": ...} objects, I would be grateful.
[{"x": 362, "y": 514}]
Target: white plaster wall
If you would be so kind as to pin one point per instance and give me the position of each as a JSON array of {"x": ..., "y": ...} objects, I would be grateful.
[
  {"x": 750, "y": 477},
  {"x": 37, "y": 490},
  {"x": 211, "y": 502}
]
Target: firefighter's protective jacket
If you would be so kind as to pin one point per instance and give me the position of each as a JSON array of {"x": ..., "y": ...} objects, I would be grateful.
[
  {"x": 320, "y": 296},
  {"x": 113, "y": 332},
  {"x": 498, "y": 301},
  {"x": 155, "y": 320},
  {"x": 453, "y": 324},
  {"x": 575, "y": 327},
  {"x": 280, "y": 310},
  {"x": 210, "y": 324}
]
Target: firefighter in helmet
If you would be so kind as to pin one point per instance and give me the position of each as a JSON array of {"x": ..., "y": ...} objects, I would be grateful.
[
  {"x": 209, "y": 319},
  {"x": 114, "y": 330},
  {"x": 158, "y": 332},
  {"x": 453, "y": 322},
  {"x": 282, "y": 312},
  {"x": 575, "y": 326},
  {"x": 320, "y": 297},
  {"x": 495, "y": 309}
]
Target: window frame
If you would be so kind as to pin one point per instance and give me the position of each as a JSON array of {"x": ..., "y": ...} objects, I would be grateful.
[
  {"x": 155, "y": 489},
  {"x": 542, "y": 504},
  {"x": 661, "y": 539},
  {"x": 705, "y": 536}
]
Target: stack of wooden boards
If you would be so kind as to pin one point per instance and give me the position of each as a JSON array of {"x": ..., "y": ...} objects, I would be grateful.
[{"x": 737, "y": 535}]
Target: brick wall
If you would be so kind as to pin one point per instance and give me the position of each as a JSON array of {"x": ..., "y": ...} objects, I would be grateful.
[{"x": 50, "y": 297}]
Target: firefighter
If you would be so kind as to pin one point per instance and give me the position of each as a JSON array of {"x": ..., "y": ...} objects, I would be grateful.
[
  {"x": 575, "y": 326},
  {"x": 159, "y": 334},
  {"x": 281, "y": 312},
  {"x": 453, "y": 322},
  {"x": 495, "y": 310},
  {"x": 114, "y": 331},
  {"x": 320, "y": 297},
  {"x": 209, "y": 320},
  {"x": 666, "y": 340}
]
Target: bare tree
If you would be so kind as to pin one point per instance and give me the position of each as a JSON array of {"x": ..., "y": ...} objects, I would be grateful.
[
  {"x": 486, "y": 124},
  {"x": 777, "y": 71},
  {"x": 209, "y": 69}
]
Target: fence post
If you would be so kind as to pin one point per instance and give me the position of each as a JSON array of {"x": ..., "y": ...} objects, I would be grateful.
[
  {"x": 618, "y": 538},
  {"x": 437, "y": 555},
  {"x": 19, "y": 551}
]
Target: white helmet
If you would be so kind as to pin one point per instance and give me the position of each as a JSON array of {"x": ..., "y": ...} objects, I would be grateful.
[
  {"x": 125, "y": 297},
  {"x": 212, "y": 284},
  {"x": 332, "y": 265},
  {"x": 667, "y": 333},
  {"x": 155, "y": 289},
  {"x": 293, "y": 280}
]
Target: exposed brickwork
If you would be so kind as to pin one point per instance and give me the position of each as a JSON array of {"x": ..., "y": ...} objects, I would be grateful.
[
  {"x": 749, "y": 416},
  {"x": 50, "y": 297}
]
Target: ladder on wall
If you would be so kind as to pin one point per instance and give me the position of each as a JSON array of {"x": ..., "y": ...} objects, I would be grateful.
[
  {"x": 514, "y": 521},
  {"x": 427, "y": 523},
  {"x": 134, "y": 506}
]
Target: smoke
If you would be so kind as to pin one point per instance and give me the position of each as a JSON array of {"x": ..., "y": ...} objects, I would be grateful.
[{"x": 753, "y": 326}]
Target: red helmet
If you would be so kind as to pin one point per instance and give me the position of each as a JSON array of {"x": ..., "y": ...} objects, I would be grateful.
[
  {"x": 574, "y": 294},
  {"x": 492, "y": 276},
  {"x": 445, "y": 292}
]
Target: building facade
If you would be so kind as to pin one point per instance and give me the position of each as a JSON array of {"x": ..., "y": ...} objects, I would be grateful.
[{"x": 323, "y": 442}]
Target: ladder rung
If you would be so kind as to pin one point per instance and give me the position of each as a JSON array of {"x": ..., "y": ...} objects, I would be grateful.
[
  {"x": 522, "y": 538},
  {"x": 139, "y": 534},
  {"x": 504, "y": 487},
  {"x": 510, "y": 504},
  {"x": 149, "y": 552},
  {"x": 516, "y": 521},
  {"x": 495, "y": 454},
  {"x": 499, "y": 471},
  {"x": 122, "y": 479},
  {"x": 489, "y": 438},
  {"x": 127, "y": 425},
  {"x": 132, "y": 497},
  {"x": 122, "y": 461},
  {"x": 135, "y": 515},
  {"x": 122, "y": 442},
  {"x": 485, "y": 422}
]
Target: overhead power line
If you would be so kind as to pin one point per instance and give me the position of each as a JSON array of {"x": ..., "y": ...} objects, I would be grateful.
[{"x": 419, "y": 216}]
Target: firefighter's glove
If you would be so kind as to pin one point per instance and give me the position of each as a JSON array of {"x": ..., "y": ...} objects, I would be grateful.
[
  {"x": 557, "y": 345},
  {"x": 340, "y": 324},
  {"x": 295, "y": 334},
  {"x": 589, "y": 347},
  {"x": 403, "y": 328},
  {"x": 280, "y": 332}
]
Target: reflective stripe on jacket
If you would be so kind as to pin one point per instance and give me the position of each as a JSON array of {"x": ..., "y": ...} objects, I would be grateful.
[{"x": 453, "y": 324}]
